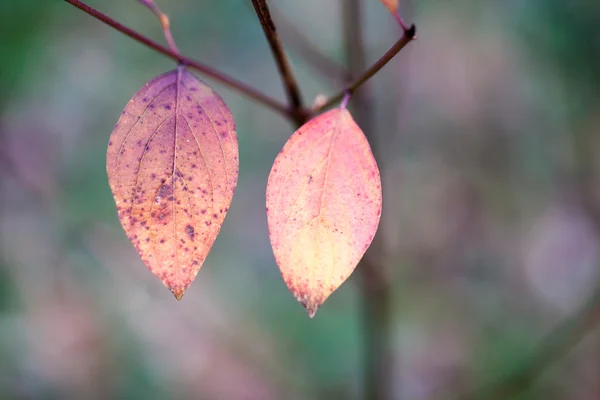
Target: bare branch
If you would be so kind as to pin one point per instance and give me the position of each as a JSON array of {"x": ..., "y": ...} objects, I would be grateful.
[
  {"x": 287, "y": 76},
  {"x": 204, "y": 69},
  {"x": 406, "y": 38}
]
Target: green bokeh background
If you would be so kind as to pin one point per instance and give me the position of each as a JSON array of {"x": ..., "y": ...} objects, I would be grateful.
[{"x": 483, "y": 126}]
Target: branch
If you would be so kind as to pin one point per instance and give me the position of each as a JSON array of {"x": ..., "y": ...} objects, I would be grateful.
[
  {"x": 287, "y": 76},
  {"x": 164, "y": 21},
  {"x": 408, "y": 36},
  {"x": 206, "y": 70},
  {"x": 374, "y": 285}
]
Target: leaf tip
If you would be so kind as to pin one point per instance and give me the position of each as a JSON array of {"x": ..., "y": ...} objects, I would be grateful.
[
  {"x": 178, "y": 293},
  {"x": 310, "y": 306}
]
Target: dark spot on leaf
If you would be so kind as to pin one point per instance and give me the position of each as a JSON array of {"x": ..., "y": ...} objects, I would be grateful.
[
  {"x": 165, "y": 190},
  {"x": 190, "y": 231}
]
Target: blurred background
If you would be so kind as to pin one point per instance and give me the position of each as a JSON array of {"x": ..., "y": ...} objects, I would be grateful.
[{"x": 485, "y": 130}]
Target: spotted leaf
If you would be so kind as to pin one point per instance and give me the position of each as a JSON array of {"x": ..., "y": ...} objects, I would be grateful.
[
  {"x": 323, "y": 205},
  {"x": 172, "y": 165}
]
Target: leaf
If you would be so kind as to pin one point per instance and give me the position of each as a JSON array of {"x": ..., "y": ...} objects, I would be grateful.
[
  {"x": 323, "y": 205},
  {"x": 391, "y": 5},
  {"x": 172, "y": 165}
]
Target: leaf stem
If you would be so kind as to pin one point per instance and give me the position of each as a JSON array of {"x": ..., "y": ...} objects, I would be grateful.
[
  {"x": 401, "y": 22},
  {"x": 407, "y": 37},
  {"x": 191, "y": 63},
  {"x": 345, "y": 100},
  {"x": 283, "y": 65}
]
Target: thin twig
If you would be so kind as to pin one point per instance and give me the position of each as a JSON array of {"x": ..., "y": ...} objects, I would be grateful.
[
  {"x": 283, "y": 65},
  {"x": 206, "y": 70},
  {"x": 406, "y": 38},
  {"x": 164, "y": 22}
]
